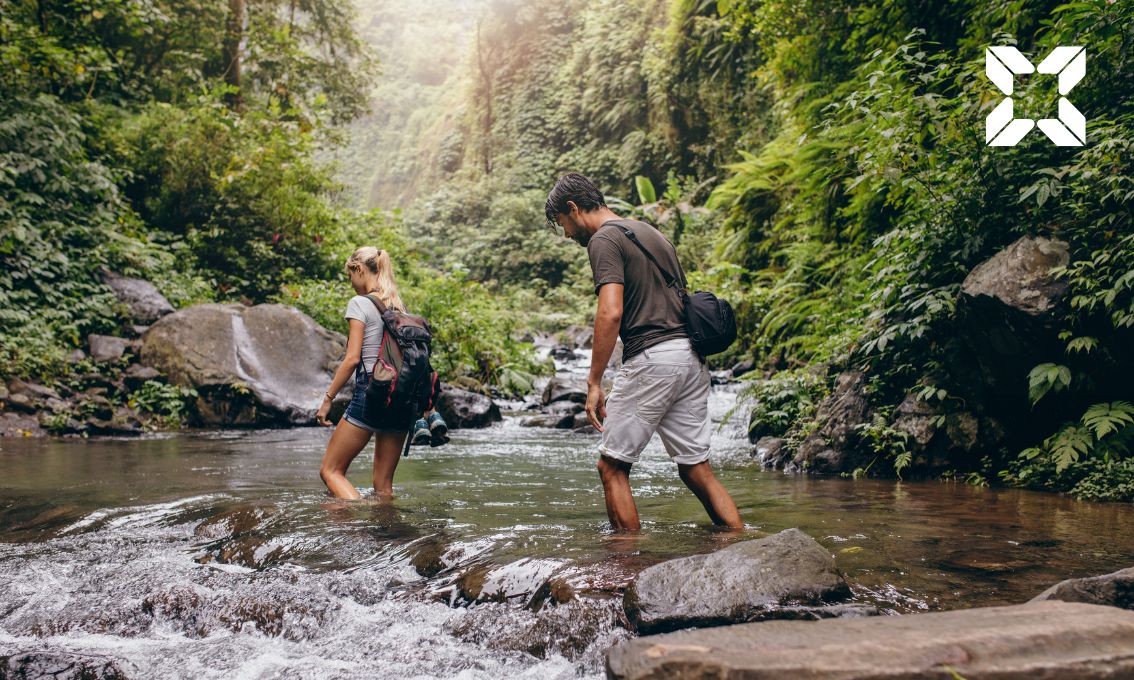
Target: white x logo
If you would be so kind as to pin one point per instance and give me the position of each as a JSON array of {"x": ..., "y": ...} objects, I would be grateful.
[{"x": 1002, "y": 62}]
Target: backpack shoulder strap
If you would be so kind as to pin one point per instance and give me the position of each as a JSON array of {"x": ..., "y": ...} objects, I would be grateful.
[
  {"x": 377, "y": 303},
  {"x": 670, "y": 279}
]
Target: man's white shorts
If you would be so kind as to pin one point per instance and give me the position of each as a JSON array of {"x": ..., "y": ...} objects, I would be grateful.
[{"x": 665, "y": 389}]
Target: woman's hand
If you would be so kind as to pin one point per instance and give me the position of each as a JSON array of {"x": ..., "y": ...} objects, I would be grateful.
[{"x": 321, "y": 414}]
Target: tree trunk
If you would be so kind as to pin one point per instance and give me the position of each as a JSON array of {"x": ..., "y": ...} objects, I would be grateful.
[
  {"x": 485, "y": 70},
  {"x": 233, "y": 36}
]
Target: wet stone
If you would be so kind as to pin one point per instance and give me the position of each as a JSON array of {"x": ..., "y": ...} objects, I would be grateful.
[
  {"x": 581, "y": 629},
  {"x": 59, "y": 666},
  {"x": 1114, "y": 590},
  {"x": 748, "y": 581},
  {"x": 1040, "y": 640}
]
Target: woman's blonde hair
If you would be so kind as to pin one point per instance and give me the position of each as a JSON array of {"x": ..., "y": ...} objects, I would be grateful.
[{"x": 378, "y": 262}]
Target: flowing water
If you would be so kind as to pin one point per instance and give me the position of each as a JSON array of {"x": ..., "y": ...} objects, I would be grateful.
[{"x": 218, "y": 555}]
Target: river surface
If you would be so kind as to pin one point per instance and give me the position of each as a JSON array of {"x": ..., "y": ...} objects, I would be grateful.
[{"x": 218, "y": 554}]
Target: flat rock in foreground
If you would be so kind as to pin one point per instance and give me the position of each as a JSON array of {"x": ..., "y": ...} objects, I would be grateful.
[
  {"x": 1068, "y": 641},
  {"x": 785, "y": 575}
]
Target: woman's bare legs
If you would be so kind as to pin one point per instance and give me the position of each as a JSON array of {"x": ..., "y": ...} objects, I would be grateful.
[
  {"x": 347, "y": 441},
  {"x": 387, "y": 452}
]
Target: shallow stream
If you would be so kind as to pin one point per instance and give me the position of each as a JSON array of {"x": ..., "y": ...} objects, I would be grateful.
[{"x": 218, "y": 555}]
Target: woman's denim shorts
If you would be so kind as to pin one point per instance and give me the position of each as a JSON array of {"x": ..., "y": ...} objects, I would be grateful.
[{"x": 356, "y": 410}]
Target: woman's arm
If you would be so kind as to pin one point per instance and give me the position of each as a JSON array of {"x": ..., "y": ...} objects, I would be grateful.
[{"x": 346, "y": 369}]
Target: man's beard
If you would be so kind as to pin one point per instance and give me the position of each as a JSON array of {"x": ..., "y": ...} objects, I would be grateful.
[{"x": 581, "y": 237}]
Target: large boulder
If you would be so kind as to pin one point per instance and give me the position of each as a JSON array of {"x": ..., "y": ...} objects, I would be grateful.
[
  {"x": 1042, "y": 640},
  {"x": 945, "y": 435},
  {"x": 1009, "y": 314},
  {"x": 465, "y": 409},
  {"x": 786, "y": 575},
  {"x": 144, "y": 301},
  {"x": 1115, "y": 590},
  {"x": 262, "y": 365}
]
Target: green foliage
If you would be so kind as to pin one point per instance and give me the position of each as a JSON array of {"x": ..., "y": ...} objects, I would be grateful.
[
  {"x": 1046, "y": 378},
  {"x": 170, "y": 403},
  {"x": 1100, "y": 440},
  {"x": 886, "y": 442},
  {"x": 781, "y": 404}
]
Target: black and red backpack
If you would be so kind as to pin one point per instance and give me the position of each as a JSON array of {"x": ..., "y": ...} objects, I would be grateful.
[{"x": 403, "y": 384}]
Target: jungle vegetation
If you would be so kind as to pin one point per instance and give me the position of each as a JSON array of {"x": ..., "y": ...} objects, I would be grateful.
[{"x": 820, "y": 163}]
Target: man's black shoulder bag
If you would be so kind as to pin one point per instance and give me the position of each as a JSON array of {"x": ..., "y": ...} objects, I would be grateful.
[{"x": 709, "y": 320}]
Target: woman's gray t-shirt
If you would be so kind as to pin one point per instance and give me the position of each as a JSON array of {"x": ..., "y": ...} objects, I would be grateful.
[{"x": 361, "y": 308}]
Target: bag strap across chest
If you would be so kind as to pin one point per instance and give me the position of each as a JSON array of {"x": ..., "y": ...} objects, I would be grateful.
[{"x": 671, "y": 281}]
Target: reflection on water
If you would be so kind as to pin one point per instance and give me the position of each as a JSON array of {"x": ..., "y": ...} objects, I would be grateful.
[{"x": 219, "y": 555}]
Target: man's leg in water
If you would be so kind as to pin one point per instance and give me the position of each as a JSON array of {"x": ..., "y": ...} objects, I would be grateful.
[
  {"x": 718, "y": 503},
  {"x": 620, "y": 508}
]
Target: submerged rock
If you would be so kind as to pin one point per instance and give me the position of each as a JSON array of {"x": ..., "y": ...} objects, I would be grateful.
[
  {"x": 1041, "y": 640},
  {"x": 787, "y": 574},
  {"x": 60, "y": 666},
  {"x": 464, "y": 409},
  {"x": 262, "y": 365},
  {"x": 1114, "y": 590}
]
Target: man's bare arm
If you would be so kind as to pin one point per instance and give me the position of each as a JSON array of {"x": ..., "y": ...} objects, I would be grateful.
[{"x": 608, "y": 319}]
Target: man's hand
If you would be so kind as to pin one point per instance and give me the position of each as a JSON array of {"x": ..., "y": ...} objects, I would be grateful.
[{"x": 596, "y": 406}]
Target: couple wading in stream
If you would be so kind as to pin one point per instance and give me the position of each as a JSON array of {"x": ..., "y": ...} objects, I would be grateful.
[{"x": 662, "y": 385}]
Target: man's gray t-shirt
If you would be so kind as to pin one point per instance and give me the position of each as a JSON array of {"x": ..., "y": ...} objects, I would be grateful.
[
  {"x": 651, "y": 311},
  {"x": 364, "y": 310}
]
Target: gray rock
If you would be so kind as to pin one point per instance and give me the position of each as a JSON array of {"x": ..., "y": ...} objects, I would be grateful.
[
  {"x": 1114, "y": 590},
  {"x": 57, "y": 405},
  {"x": 747, "y": 581},
  {"x": 560, "y": 388},
  {"x": 1020, "y": 276},
  {"x": 464, "y": 409},
  {"x": 939, "y": 437},
  {"x": 1042, "y": 640},
  {"x": 4, "y": 393},
  {"x": 770, "y": 452},
  {"x": 76, "y": 356},
  {"x": 33, "y": 391},
  {"x": 563, "y": 353},
  {"x": 581, "y": 424},
  {"x": 21, "y": 402},
  {"x": 137, "y": 374},
  {"x": 827, "y": 450},
  {"x": 741, "y": 367},
  {"x": 263, "y": 365},
  {"x": 548, "y": 420},
  {"x": 144, "y": 301},
  {"x": 580, "y": 336},
  {"x": 1009, "y": 315},
  {"x": 564, "y": 408},
  {"x": 106, "y": 348},
  {"x": 60, "y": 666}
]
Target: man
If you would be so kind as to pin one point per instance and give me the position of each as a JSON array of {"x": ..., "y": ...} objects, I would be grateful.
[{"x": 663, "y": 384}]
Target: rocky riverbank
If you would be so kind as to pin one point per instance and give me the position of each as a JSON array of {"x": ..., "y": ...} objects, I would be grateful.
[{"x": 1081, "y": 628}]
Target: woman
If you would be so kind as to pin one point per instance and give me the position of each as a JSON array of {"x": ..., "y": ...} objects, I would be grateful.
[{"x": 371, "y": 272}]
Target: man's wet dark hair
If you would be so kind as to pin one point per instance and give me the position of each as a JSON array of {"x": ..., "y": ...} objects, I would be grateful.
[{"x": 576, "y": 188}]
